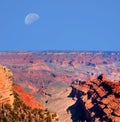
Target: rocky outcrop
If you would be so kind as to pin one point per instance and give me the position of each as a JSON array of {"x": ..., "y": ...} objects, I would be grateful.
[
  {"x": 100, "y": 98},
  {"x": 17, "y": 105},
  {"x": 6, "y": 88}
]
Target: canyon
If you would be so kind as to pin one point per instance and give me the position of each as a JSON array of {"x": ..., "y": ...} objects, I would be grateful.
[{"x": 66, "y": 82}]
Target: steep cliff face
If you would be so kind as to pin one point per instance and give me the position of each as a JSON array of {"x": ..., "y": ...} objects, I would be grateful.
[
  {"x": 100, "y": 99},
  {"x": 6, "y": 89}
]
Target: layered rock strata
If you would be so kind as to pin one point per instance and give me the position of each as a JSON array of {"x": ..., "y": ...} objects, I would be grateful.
[
  {"x": 6, "y": 88},
  {"x": 99, "y": 98}
]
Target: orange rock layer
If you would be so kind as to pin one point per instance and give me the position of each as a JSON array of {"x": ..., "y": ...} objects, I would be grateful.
[
  {"x": 101, "y": 98},
  {"x": 6, "y": 89},
  {"x": 27, "y": 98}
]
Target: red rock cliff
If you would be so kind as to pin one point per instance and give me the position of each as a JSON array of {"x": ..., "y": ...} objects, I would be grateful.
[{"x": 101, "y": 99}]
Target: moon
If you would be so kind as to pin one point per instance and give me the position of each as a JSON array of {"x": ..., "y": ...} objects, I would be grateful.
[{"x": 31, "y": 18}]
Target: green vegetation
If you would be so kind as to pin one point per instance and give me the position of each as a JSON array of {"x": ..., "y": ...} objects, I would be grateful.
[{"x": 22, "y": 113}]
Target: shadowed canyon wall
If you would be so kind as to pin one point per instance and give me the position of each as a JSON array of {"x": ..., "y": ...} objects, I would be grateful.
[{"x": 97, "y": 100}]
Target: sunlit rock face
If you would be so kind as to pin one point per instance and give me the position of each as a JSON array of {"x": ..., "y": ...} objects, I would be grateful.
[
  {"x": 6, "y": 86},
  {"x": 101, "y": 98}
]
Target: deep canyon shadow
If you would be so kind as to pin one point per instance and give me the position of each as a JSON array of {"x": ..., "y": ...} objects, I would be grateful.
[{"x": 78, "y": 111}]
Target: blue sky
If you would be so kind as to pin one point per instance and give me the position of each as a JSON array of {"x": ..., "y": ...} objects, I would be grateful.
[{"x": 63, "y": 25}]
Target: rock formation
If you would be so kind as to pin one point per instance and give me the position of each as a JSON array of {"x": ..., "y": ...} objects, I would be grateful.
[
  {"x": 6, "y": 88},
  {"x": 38, "y": 67},
  {"x": 37, "y": 72},
  {"x": 17, "y": 105},
  {"x": 100, "y": 99}
]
